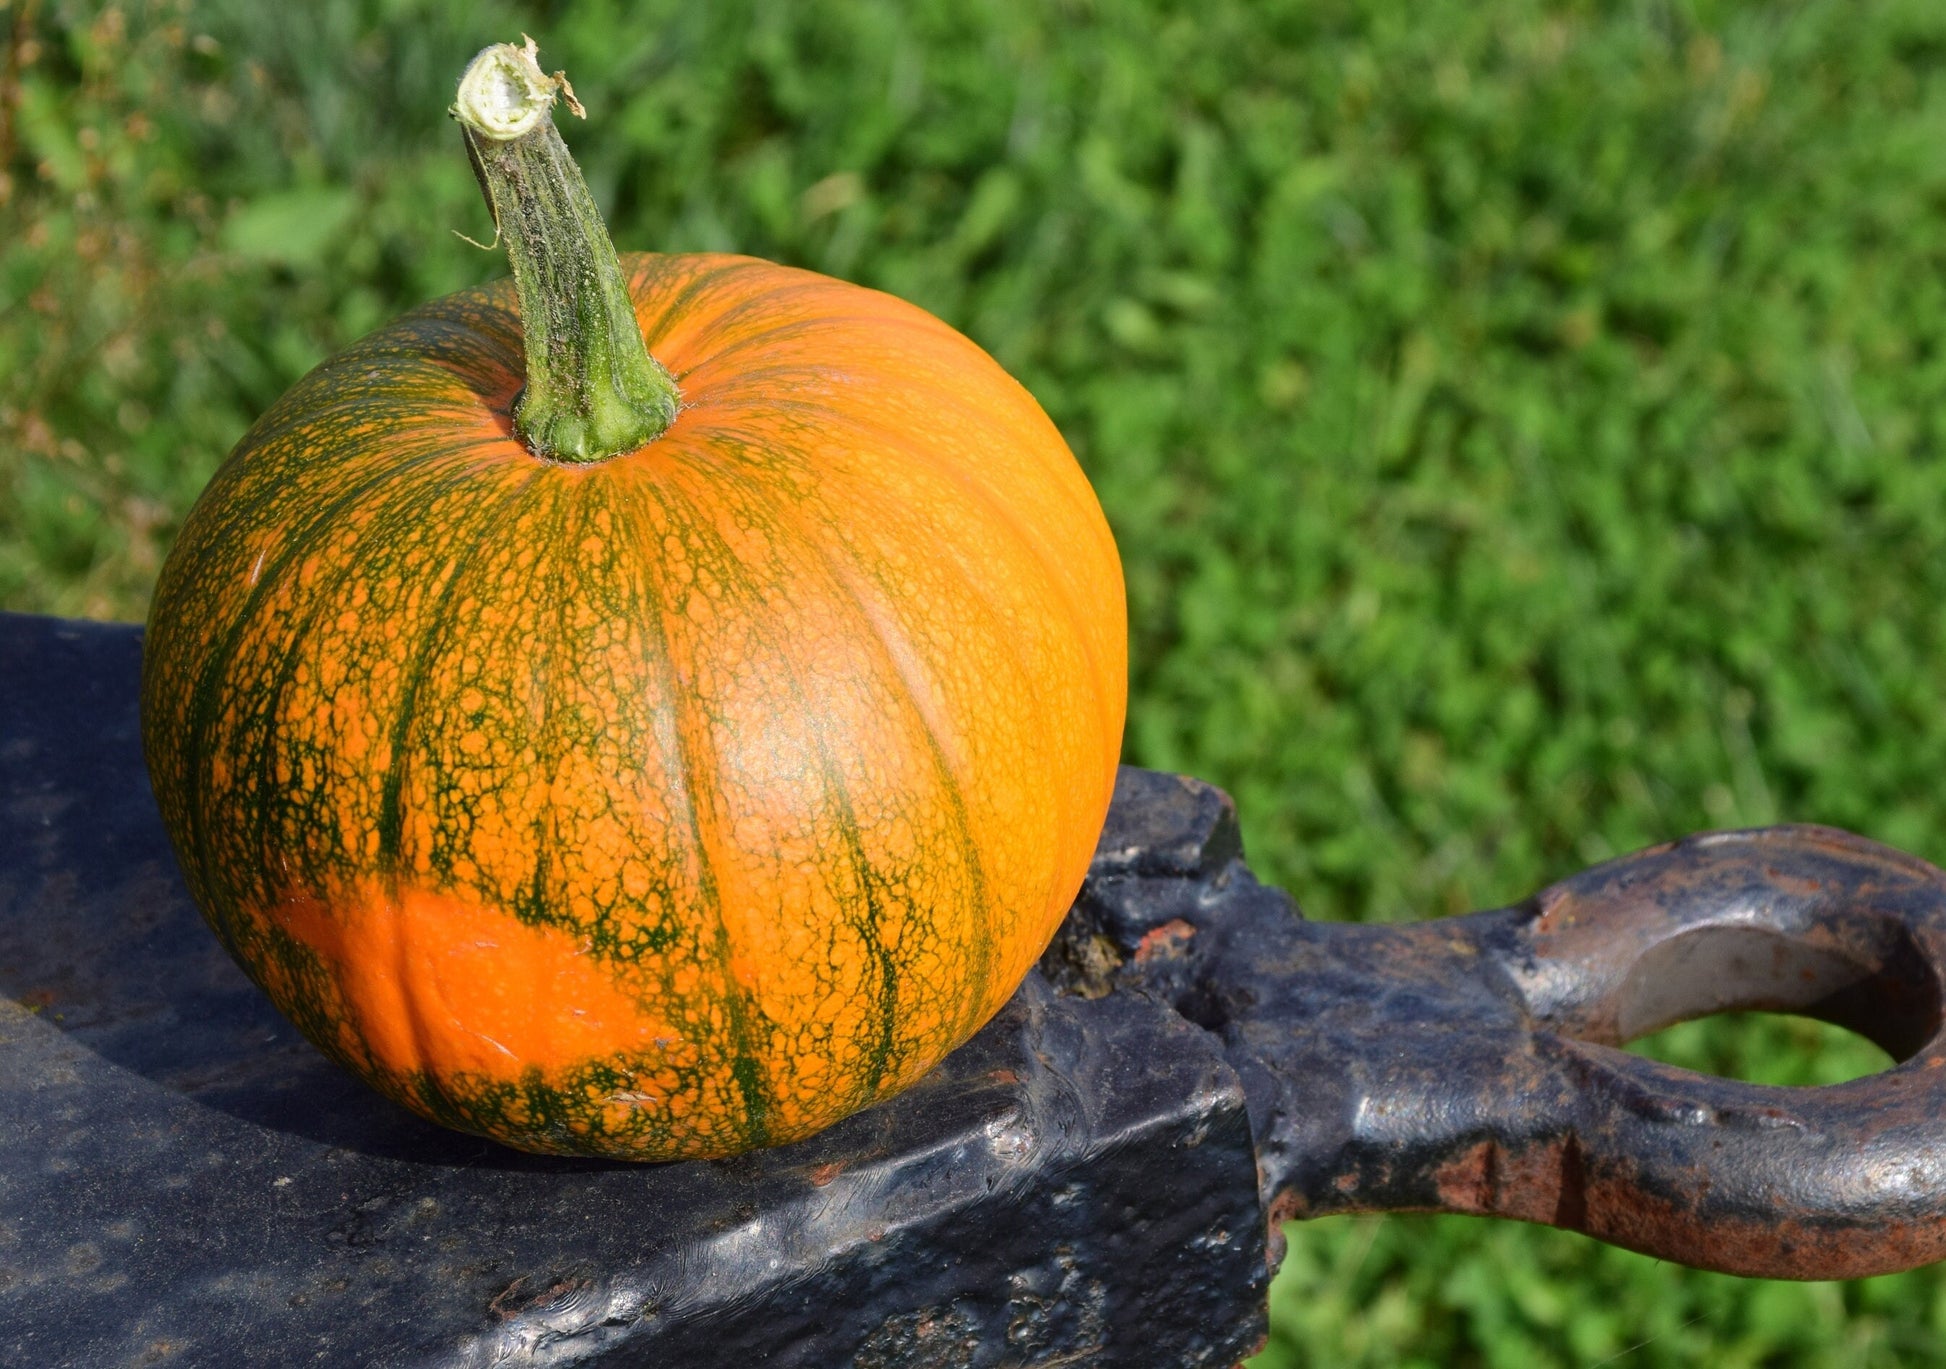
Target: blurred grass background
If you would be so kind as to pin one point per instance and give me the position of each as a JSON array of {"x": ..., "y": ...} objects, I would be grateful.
[{"x": 1524, "y": 423}]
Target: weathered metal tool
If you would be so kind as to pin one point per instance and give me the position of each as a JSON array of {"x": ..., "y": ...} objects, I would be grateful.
[{"x": 1097, "y": 1178}]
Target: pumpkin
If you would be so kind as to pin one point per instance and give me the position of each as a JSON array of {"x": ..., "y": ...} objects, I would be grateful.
[{"x": 660, "y": 801}]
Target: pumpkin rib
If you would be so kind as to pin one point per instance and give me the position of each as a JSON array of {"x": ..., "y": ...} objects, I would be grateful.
[
  {"x": 785, "y": 301},
  {"x": 391, "y": 816},
  {"x": 879, "y": 1055},
  {"x": 646, "y": 268},
  {"x": 274, "y": 684},
  {"x": 726, "y": 322},
  {"x": 745, "y": 1069},
  {"x": 467, "y": 345},
  {"x": 818, "y": 325},
  {"x": 206, "y": 698},
  {"x": 827, "y": 417},
  {"x": 549, "y": 746},
  {"x": 475, "y": 351},
  {"x": 864, "y": 921},
  {"x": 229, "y": 905},
  {"x": 949, "y": 784},
  {"x": 975, "y": 592},
  {"x": 606, "y": 588},
  {"x": 402, "y": 511},
  {"x": 956, "y": 473},
  {"x": 533, "y": 1109},
  {"x": 551, "y": 1112},
  {"x": 758, "y": 496}
]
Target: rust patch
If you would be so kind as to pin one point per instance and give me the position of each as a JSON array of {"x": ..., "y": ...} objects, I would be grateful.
[
  {"x": 499, "y": 1306},
  {"x": 1288, "y": 1206},
  {"x": 1555, "y": 906},
  {"x": 1778, "y": 1247},
  {"x": 1551, "y": 1185},
  {"x": 1542, "y": 1183},
  {"x": 1170, "y": 940},
  {"x": 825, "y": 1173},
  {"x": 1465, "y": 1182},
  {"x": 509, "y": 1302},
  {"x": 1798, "y": 885}
]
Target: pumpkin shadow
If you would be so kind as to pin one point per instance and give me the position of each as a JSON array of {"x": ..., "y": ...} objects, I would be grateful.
[{"x": 99, "y": 938}]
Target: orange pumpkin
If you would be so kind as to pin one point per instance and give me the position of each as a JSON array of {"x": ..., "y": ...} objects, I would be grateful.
[{"x": 659, "y": 805}]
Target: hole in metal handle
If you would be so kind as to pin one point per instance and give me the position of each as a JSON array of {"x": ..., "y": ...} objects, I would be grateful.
[
  {"x": 1880, "y": 986},
  {"x": 1832, "y": 1181},
  {"x": 1774, "y": 1050},
  {"x": 1804, "y": 920}
]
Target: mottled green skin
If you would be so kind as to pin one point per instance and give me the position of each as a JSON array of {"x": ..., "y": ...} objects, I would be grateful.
[{"x": 668, "y": 806}]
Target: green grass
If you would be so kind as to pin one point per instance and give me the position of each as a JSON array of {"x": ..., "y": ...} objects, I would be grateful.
[{"x": 1524, "y": 424}]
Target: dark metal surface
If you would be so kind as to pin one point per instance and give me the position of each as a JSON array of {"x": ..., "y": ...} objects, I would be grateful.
[
  {"x": 1091, "y": 1180},
  {"x": 183, "y": 1179},
  {"x": 1468, "y": 1064}
]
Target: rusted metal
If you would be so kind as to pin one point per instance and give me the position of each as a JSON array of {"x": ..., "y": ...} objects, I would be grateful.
[
  {"x": 1469, "y": 1064},
  {"x": 1096, "y": 1178}
]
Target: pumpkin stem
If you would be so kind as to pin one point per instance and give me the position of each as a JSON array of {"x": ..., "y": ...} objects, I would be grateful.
[{"x": 593, "y": 391}]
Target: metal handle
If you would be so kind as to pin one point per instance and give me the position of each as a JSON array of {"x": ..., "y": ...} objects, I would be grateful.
[
  {"x": 1831, "y": 1182},
  {"x": 1469, "y": 1064}
]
